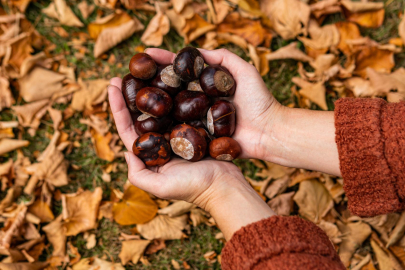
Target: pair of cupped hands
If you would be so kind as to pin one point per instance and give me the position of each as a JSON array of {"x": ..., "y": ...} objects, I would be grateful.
[{"x": 200, "y": 182}]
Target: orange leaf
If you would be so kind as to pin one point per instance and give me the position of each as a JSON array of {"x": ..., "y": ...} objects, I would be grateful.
[
  {"x": 195, "y": 27},
  {"x": 95, "y": 28},
  {"x": 41, "y": 209},
  {"x": 136, "y": 207},
  {"x": 101, "y": 144},
  {"x": 370, "y": 19},
  {"x": 375, "y": 58},
  {"x": 347, "y": 31}
]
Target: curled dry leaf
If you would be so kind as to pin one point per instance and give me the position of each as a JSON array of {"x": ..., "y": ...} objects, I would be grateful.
[
  {"x": 398, "y": 231},
  {"x": 198, "y": 216},
  {"x": 347, "y": 31},
  {"x": 102, "y": 145},
  {"x": 360, "y": 87},
  {"x": 321, "y": 37},
  {"x": 373, "y": 57},
  {"x": 92, "y": 92},
  {"x": 282, "y": 204},
  {"x": 401, "y": 29},
  {"x": 163, "y": 227},
  {"x": 331, "y": 231},
  {"x": 353, "y": 235},
  {"x": 132, "y": 250},
  {"x": 370, "y": 19},
  {"x": 155, "y": 246},
  {"x": 85, "y": 9},
  {"x": 24, "y": 266},
  {"x": 98, "y": 124},
  {"x": 41, "y": 210},
  {"x": 288, "y": 22},
  {"x": 80, "y": 211},
  {"x": 386, "y": 260},
  {"x": 8, "y": 145},
  {"x": 156, "y": 29},
  {"x": 56, "y": 234},
  {"x": 91, "y": 241},
  {"x": 313, "y": 200},
  {"x": 6, "y": 98},
  {"x": 176, "y": 209},
  {"x": 30, "y": 113},
  {"x": 194, "y": 28},
  {"x": 259, "y": 58},
  {"x": 315, "y": 92},
  {"x": 289, "y": 52},
  {"x": 60, "y": 10},
  {"x": 277, "y": 187},
  {"x": 384, "y": 83},
  {"x": 95, "y": 263},
  {"x": 362, "y": 6},
  {"x": 136, "y": 207}
]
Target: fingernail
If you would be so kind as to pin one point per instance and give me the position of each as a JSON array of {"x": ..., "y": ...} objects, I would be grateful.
[{"x": 126, "y": 157}]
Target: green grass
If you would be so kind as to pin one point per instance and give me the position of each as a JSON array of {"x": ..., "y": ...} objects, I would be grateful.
[{"x": 202, "y": 238}]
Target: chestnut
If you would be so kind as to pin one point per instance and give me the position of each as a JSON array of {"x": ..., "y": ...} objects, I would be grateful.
[
  {"x": 167, "y": 80},
  {"x": 221, "y": 118},
  {"x": 154, "y": 102},
  {"x": 142, "y": 66},
  {"x": 190, "y": 105},
  {"x": 224, "y": 148},
  {"x": 205, "y": 134},
  {"x": 188, "y": 143},
  {"x": 194, "y": 86},
  {"x": 188, "y": 64},
  {"x": 152, "y": 148},
  {"x": 145, "y": 123},
  {"x": 196, "y": 124},
  {"x": 216, "y": 81},
  {"x": 130, "y": 87}
]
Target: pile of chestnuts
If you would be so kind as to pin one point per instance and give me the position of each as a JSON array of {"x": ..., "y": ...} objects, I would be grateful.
[{"x": 179, "y": 108}]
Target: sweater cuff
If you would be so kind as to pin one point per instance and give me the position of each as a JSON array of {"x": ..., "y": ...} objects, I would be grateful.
[
  {"x": 369, "y": 184},
  {"x": 274, "y": 237}
]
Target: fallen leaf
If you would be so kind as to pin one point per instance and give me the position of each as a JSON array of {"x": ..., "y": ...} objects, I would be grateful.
[
  {"x": 386, "y": 261},
  {"x": 272, "y": 170},
  {"x": 195, "y": 27},
  {"x": 91, "y": 241},
  {"x": 360, "y": 87},
  {"x": 315, "y": 92},
  {"x": 21, "y": 49},
  {"x": 163, "y": 227},
  {"x": 8, "y": 145},
  {"x": 56, "y": 234},
  {"x": 277, "y": 187},
  {"x": 370, "y": 19},
  {"x": 321, "y": 37},
  {"x": 175, "y": 264},
  {"x": 398, "y": 231},
  {"x": 60, "y": 10},
  {"x": 158, "y": 27},
  {"x": 176, "y": 209},
  {"x": 102, "y": 145},
  {"x": 401, "y": 29},
  {"x": 155, "y": 246},
  {"x": 97, "y": 123},
  {"x": 289, "y": 52},
  {"x": 384, "y": 83},
  {"x": 85, "y": 9},
  {"x": 95, "y": 263},
  {"x": 178, "y": 5},
  {"x": 23, "y": 266},
  {"x": 198, "y": 216},
  {"x": 92, "y": 92},
  {"x": 362, "y": 6},
  {"x": 105, "y": 210},
  {"x": 313, "y": 200},
  {"x": 219, "y": 9},
  {"x": 375, "y": 58},
  {"x": 331, "y": 231},
  {"x": 42, "y": 210},
  {"x": 136, "y": 207},
  {"x": 6, "y": 98},
  {"x": 288, "y": 22},
  {"x": 347, "y": 31},
  {"x": 80, "y": 211},
  {"x": 73, "y": 253},
  {"x": 132, "y": 250},
  {"x": 282, "y": 204},
  {"x": 353, "y": 235},
  {"x": 20, "y": 4}
]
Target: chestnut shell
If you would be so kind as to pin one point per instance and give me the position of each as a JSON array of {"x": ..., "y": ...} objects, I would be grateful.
[
  {"x": 190, "y": 105},
  {"x": 224, "y": 148},
  {"x": 130, "y": 87},
  {"x": 221, "y": 119},
  {"x": 145, "y": 123},
  {"x": 154, "y": 102},
  {"x": 167, "y": 80},
  {"x": 188, "y": 64},
  {"x": 188, "y": 143},
  {"x": 216, "y": 81},
  {"x": 142, "y": 66},
  {"x": 152, "y": 148}
]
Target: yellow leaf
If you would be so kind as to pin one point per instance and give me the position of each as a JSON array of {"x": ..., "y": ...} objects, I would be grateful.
[
  {"x": 101, "y": 145},
  {"x": 42, "y": 210},
  {"x": 370, "y": 19},
  {"x": 132, "y": 250},
  {"x": 136, "y": 207},
  {"x": 347, "y": 31}
]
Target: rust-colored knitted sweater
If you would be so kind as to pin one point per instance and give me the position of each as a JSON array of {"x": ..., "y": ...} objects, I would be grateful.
[{"x": 370, "y": 135}]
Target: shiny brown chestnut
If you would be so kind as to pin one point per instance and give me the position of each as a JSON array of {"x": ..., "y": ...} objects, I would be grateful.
[
  {"x": 188, "y": 143},
  {"x": 188, "y": 64},
  {"x": 216, "y": 81},
  {"x": 224, "y": 148},
  {"x": 194, "y": 86},
  {"x": 205, "y": 134},
  {"x": 145, "y": 123},
  {"x": 130, "y": 87},
  {"x": 190, "y": 105},
  {"x": 152, "y": 148},
  {"x": 196, "y": 124},
  {"x": 154, "y": 102},
  {"x": 142, "y": 66},
  {"x": 221, "y": 119},
  {"x": 167, "y": 80}
]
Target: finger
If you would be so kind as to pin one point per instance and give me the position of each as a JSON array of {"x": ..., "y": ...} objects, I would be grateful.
[
  {"x": 116, "y": 82},
  {"x": 160, "y": 56},
  {"x": 122, "y": 116},
  {"x": 140, "y": 176}
]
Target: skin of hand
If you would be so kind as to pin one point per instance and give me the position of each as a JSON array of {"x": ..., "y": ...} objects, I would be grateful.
[{"x": 264, "y": 130}]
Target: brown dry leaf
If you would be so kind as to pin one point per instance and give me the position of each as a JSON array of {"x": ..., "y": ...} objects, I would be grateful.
[
  {"x": 42, "y": 210},
  {"x": 23, "y": 266},
  {"x": 195, "y": 27},
  {"x": 313, "y": 200},
  {"x": 105, "y": 210},
  {"x": 56, "y": 234},
  {"x": 362, "y": 6},
  {"x": 97, "y": 123},
  {"x": 360, "y": 87},
  {"x": 8, "y": 145},
  {"x": 20, "y": 4},
  {"x": 398, "y": 231},
  {"x": 136, "y": 207},
  {"x": 132, "y": 250},
  {"x": 277, "y": 187},
  {"x": 56, "y": 117},
  {"x": 366, "y": 14},
  {"x": 198, "y": 216},
  {"x": 21, "y": 49},
  {"x": 95, "y": 263},
  {"x": 325, "y": 7},
  {"x": 259, "y": 58},
  {"x": 250, "y": 30},
  {"x": 401, "y": 29},
  {"x": 321, "y": 37},
  {"x": 218, "y": 9},
  {"x": 178, "y": 5},
  {"x": 155, "y": 246},
  {"x": 60, "y": 10},
  {"x": 315, "y": 92},
  {"x": 111, "y": 30},
  {"x": 272, "y": 170},
  {"x": 282, "y": 204},
  {"x": 176, "y": 209},
  {"x": 158, "y": 27},
  {"x": 6, "y": 98},
  {"x": 347, "y": 31},
  {"x": 102, "y": 145},
  {"x": 384, "y": 83},
  {"x": 353, "y": 235},
  {"x": 85, "y": 9},
  {"x": 40, "y": 84},
  {"x": 80, "y": 211},
  {"x": 386, "y": 260},
  {"x": 92, "y": 92},
  {"x": 30, "y": 114},
  {"x": 289, "y": 18},
  {"x": 289, "y": 52},
  {"x": 91, "y": 241},
  {"x": 163, "y": 227},
  {"x": 331, "y": 231},
  {"x": 373, "y": 57}
]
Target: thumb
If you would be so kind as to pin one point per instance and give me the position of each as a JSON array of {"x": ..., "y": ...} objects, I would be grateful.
[{"x": 138, "y": 174}]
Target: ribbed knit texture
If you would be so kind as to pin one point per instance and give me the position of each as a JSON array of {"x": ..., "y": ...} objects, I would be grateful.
[
  {"x": 370, "y": 146},
  {"x": 280, "y": 243}
]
